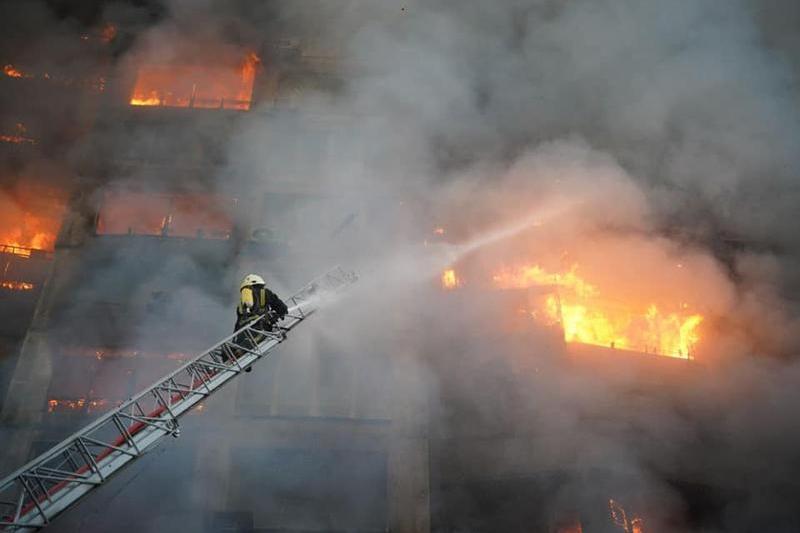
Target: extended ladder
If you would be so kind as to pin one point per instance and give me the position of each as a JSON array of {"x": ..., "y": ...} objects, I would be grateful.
[{"x": 33, "y": 495}]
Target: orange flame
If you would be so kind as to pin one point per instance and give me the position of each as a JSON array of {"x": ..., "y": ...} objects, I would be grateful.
[
  {"x": 30, "y": 217},
  {"x": 450, "y": 279},
  {"x": 16, "y": 285},
  {"x": 200, "y": 86},
  {"x": 588, "y": 318},
  {"x": 12, "y": 72},
  {"x": 31, "y": 232}
]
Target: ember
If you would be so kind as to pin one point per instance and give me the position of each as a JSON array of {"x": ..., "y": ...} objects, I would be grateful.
[
  {"x": 589, "y": 317},
  {"x": 201, "y": 86}
]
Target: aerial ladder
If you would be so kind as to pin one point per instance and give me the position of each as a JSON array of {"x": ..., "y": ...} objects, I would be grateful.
[{"x": 36, "y": 493}]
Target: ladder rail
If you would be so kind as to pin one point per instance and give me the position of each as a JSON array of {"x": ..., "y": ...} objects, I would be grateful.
[{"x": 34, "y": 494}]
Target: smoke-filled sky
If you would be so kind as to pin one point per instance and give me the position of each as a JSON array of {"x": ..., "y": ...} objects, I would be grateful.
[{"x": 631, "y": 136}]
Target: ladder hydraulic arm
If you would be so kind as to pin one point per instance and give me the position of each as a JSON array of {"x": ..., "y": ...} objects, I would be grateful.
[{"x": 33, "y": 495}]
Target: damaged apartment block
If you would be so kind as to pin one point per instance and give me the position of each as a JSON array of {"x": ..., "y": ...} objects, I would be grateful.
[{"x": 553, "y": 266}]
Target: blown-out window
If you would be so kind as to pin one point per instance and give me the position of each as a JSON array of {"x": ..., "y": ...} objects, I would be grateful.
[
  {"x": 172, "y": 215},
  {"x": 203, "y": 86}
]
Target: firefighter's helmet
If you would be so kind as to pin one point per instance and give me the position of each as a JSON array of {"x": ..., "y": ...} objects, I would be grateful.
[{"x": 250, "y": 280}]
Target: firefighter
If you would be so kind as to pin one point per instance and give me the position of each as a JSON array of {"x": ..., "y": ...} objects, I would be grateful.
[{"x": 255, "y": 299}]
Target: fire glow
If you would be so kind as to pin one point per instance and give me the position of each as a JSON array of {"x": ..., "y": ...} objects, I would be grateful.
[
  {"x": 97, "y": 84},
  {"x": 197, "y": 86},
  {"x": 18, "y": 137},
  {"x": 29, "y": 233},
  {"x": 190, "y": 215},
  {"x": 13, "y": 72},
  {"x": 588, "y": 316},
  {"x": 30, "y": 219},
  {"x": 450, "y": 279},
  {"x": 16, "y": 285}
]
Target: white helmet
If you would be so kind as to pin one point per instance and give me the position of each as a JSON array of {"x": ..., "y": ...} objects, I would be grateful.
[{"x": 250, "y": 280}]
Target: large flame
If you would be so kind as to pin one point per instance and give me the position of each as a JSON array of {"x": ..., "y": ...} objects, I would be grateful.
[
  {"x": 204, "y": 86},
  {"x": 29, "y": 232},
  {"x": 30, "y": 218},
  {"x": 589, "y": 316}
]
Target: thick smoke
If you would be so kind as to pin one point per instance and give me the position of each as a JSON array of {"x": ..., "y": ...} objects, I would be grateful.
[
  {"x": 656, "y": 133},
  {"x": 634, "y": 136}
]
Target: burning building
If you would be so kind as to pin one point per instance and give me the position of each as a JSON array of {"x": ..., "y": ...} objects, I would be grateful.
[
  {"x": 556, "y": 375},
  {"x": 119, "y": 264}
]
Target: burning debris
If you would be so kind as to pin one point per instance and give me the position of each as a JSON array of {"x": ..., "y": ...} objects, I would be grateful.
[{"x": 197, "y": 86}]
